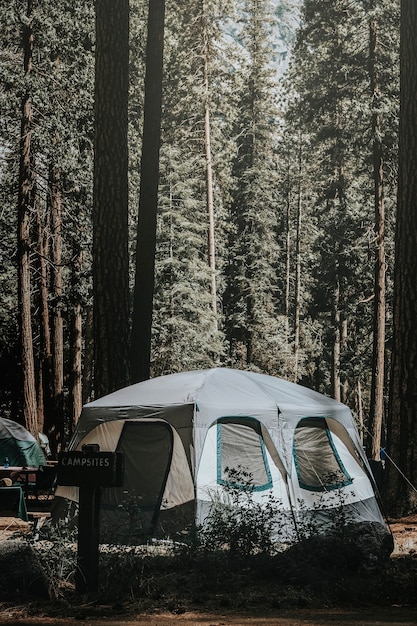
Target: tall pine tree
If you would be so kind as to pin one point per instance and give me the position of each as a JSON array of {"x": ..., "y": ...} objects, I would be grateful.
[{"x": 251, "y": 299}]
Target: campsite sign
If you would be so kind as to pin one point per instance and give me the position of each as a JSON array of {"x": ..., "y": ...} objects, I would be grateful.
[{"x": 90, "y": 468}]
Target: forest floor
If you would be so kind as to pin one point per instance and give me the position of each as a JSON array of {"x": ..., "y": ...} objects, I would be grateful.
[
  {"x": 404, "y": 531},
  {"x": 378, "y": 596}
]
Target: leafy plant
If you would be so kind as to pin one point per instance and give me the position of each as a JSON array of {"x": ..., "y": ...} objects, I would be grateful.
[
  {"x": 129, "y": 525},
  {"x": 238, "y": 523},
  {"x": 57, "y": 558},
  {"x": 329, "y": 514}
]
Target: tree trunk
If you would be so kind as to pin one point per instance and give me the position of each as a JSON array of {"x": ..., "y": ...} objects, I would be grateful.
[
  {"x": 338, "y": 313},
  {"x": 344, "y": 383},
  {"x": 76, "y": 345},
  {"x": 76, "y": 342},
  {"x": 336, "y": 344},
  {"x": 373, "y": 441},
  {"x": 148, "y": 199},
  {"x": 110, "y": 210},
  {"x": 209, "y": 170},
  {"x": 26, "y": 206},
  {"x": 76, "y": 383},
  {"x": 88, "y": 364},
  {"x": 298, "y": 269},
  {"x": 401, "y": 483},
  {"x": 55, "y": 423},
  {"x": 45, "y": 355},
  {"x": 287, "y": 249},
  {"x": 359, "y": 408}
]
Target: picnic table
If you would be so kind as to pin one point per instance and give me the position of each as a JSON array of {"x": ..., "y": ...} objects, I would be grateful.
[
  {"x": 37, "y": 484},
  {"x": 18, "y": 474}
]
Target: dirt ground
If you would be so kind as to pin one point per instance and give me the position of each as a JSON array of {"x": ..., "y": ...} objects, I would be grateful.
[
  {"x": 405, "y": 544},
  {"x": 401, "y": 616},
  {"x": 405, "y": 535}
]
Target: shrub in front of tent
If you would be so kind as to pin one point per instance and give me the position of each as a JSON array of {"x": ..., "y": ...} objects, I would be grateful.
[
  {"x": 238, "y": 524},
  {"x": 241, "y": 527}
]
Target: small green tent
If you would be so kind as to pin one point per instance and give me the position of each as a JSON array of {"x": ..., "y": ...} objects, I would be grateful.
[{"x": 19, "y": 446}]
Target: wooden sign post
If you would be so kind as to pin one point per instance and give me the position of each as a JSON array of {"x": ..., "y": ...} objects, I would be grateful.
[{"x": 89, "y": 469}]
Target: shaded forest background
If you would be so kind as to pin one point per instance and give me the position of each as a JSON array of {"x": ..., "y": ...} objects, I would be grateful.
[{"x": 277, "y": 188}]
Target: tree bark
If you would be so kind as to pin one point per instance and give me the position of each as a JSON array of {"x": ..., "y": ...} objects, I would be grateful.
[
  {"x": 76, "y": 382},
  {"x": 209, "y": 169},
  {"x": 336, "y": 343},
  {"x": 298, "y": 268},
  {"x": 45, "y": 355},
  {"x": 148, "y": 198},
  {"x": 26, "y": 207},
  {"x": 76, "y": 336},
  {"x": 359, "y": 408},
  {"x": 344, "y": 383},
  {"x": 287, "y": 249},
  {"x": 55, "y": 422},
  {"x": 339, "y": 318},
  {"x": 110, "y": 210},
  {"x": 373, "y": 440},
  {"x": 88, "y": 363},
  {"x": 401, "y": 480}
]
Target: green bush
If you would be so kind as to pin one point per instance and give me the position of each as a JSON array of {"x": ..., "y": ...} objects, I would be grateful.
[
  {"x": 56, "y": 553},
  {"x": 237, "y": 523}
]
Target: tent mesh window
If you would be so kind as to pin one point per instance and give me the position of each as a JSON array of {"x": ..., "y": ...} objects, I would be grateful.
[
  {"x": 318, "y": 464},
  {"x": 241, "y": 456}
]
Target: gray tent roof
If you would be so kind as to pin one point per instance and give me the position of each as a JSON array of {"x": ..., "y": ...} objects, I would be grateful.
[{"x": 215, "y": 393}]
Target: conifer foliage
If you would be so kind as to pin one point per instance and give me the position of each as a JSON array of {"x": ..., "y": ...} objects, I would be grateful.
[
  {"x": 251, "y": 298},
  {"x": 46, "y": 100},
  {"x": 331, "y": 102},
  {"x": 186, "y": 333}
]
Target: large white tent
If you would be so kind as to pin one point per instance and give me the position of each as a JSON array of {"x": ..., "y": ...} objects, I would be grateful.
[{"x": 181, "y": 434}]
